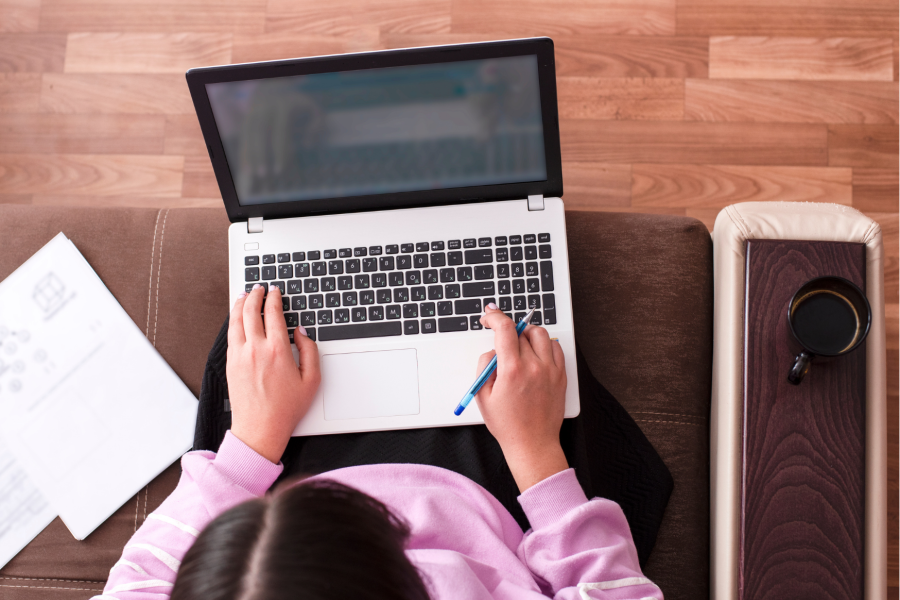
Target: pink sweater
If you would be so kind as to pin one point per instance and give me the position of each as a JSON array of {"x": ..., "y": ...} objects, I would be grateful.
[{"x": 463, "y": 540}]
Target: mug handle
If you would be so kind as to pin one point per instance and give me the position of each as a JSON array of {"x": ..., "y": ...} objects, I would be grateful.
[{"x": 800, "y": 368}]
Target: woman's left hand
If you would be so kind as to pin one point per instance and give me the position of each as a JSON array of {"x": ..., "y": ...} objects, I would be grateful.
[{"x": 269, "y": 394}]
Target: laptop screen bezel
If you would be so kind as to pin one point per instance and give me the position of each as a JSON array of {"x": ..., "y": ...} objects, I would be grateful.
[{"x": 542, "y": 48}]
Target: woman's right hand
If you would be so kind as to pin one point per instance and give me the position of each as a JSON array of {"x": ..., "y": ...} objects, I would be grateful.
[{"x": 523, "y": 403}]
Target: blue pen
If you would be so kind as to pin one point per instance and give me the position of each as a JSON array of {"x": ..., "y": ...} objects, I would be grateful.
[{"x": 492, "y": 366}]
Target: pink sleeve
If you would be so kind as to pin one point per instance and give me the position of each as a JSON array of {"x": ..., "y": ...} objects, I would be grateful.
[
  {"x": 579, "y": 549},
  {"x": 210, "y": 484}
]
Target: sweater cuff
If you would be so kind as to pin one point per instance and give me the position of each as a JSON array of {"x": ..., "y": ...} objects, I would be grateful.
[
  {"x": 548, "y": 501},
  {"x": 244, "y": 467}
]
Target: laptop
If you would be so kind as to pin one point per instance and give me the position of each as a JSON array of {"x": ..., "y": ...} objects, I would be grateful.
[{"x": 391, "y": 195}]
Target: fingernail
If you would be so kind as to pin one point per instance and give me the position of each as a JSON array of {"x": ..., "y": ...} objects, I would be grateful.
[
  {"x": 272, "y": 288},
  {"x": 241, "y": 295},
  {"x": 302, "y": 330},
  {"x": 256, "y": 285},
  {"x": 492, "y": 306}
]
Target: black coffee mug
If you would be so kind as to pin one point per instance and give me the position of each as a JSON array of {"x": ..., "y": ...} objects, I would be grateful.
[{"x": 828, "y": 317}]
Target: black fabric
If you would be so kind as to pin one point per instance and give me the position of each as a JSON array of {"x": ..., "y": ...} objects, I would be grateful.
[{"x": 610, "y": 454}]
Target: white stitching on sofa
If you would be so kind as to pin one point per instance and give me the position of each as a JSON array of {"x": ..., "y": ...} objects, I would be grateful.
[
  {"x": 644, "y": 412},
  {"x": 162, "y": 237},
  {"x": 51, "y": 579},
  {"x": 50, "y": 587},
  {"x": 150, "y": 284},
  {"x": 676, "y": 422}
]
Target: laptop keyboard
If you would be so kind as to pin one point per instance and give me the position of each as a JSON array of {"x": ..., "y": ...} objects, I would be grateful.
[{"x": 409, "y": 289}]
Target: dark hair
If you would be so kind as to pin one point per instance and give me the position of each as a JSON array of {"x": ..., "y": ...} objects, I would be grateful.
[{"x": 319, "y": 540}]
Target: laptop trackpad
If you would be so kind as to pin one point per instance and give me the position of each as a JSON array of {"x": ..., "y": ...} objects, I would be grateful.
[{"x": 370, "y": 384}]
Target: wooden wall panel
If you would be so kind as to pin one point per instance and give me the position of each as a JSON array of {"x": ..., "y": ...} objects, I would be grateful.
[
  {"x": 183, "y": 136},
  {"x": 854, "y": 59},
  {"x": 658, "y": 99},
  {"x": 875, "y": 190},
  {"x": 199, "y": 178},
  {"x": 585, "y": 182},
  {"x": 862, "y": 146},
  {"x": 631, "y": 56},
  {"x": 348, "y": 17},
  {"x": 116, "y": 93},
  {"x": 32, "y": 52},
  {"x": 20, "y": 92},
  {"x": 82, "y": 134},
  {"x": 130, "y": 200},
  {"x": 145, "y": 52},
  {"x": 288, "y": 44},
  {"x": 867, "y": 102},
  {"x": 19, "y": 15}
]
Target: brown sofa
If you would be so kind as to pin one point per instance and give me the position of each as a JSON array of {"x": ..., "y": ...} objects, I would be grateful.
[{"x": 642, "y": 290}]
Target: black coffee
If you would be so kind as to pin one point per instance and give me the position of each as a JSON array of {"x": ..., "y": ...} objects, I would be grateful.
[{"x": 825, "y": 322}]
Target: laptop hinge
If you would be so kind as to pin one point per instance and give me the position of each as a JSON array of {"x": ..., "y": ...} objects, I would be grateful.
[
  {"x": 536, "y": 202},
  {"x": 254, "y": 225}
]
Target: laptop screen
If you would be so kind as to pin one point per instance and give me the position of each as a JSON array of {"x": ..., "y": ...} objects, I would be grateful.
[{"x": 382, "y": 130}]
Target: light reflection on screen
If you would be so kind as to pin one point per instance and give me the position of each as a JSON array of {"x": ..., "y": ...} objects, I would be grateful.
[{"x": 357, "y": 133}]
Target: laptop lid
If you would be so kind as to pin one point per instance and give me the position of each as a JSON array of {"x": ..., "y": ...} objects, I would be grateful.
[{"x": 379, "y": 130}]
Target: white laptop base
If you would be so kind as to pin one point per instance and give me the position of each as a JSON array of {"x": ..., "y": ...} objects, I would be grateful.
[{"x": 408, "y": 381}]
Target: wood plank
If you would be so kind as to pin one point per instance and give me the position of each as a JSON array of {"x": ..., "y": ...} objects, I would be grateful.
[
  {"x": 896, "y": 57},
  {"x": 631, "y": 56},
  {"x": 288, "y": 44},
  {"x": 588, "y": 185},
  {"x": 875, "y": 190},
  {"x": 199, "y": 179},
  {"x": 32, "y": 52},
  {"x": 542, "y": 17},
  {"x": 19, "y": 15},
  {"x": 717, "y": 186},
  {"x": 92, "y": 175},
  {"x": 851, "y": 59},
  {"x": 862, "y": 146},
  {"x": 15, "y": 198},
  {"x": 145, "y": 52},
  {"x": 130, "y": 200},
  {"x": 692, "y": 142},
  {"x": 658, "y": 99},
  {"x": 172, "y": 16},
  {"x": 346, "y": 17},
  {"x": 115, "y": 93},
  {"x": 81, "y": 134},
  {"x": 870, "y": 102},
  {"x": 183, "y": 136},
  {"x": 20, "y": 92},
  {"x": 414, "y": 40},
  {"x": 830, "y": 18}
]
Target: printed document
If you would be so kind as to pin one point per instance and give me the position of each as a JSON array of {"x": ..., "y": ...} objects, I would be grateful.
[
  {"x": 88, "y": 407},
  {"x": 23, "y": 510}
]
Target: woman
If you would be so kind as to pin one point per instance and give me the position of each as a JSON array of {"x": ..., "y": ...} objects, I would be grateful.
[{"x": 400, "y": 531}]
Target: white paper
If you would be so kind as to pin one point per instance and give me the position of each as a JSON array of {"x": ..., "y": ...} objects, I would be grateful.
[
  {"x": 24, "y": 512},
  {"x": 88, "y": 407}
]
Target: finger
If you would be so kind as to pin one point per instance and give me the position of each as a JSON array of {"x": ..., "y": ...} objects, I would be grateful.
[
  {"x": 309, "y": 356},
  {"x": 485, "y": 392},
  {"x": 276, "y": 329},
  {"x": 253, "y": 326},
  {"x": 236, "y": 322},
  {"x": 540, "y": 342},
  {"x": 559, "y": 357},
  {"x": 505, "y": 342}
]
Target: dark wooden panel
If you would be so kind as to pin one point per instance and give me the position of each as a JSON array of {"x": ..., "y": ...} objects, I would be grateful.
[
  {"x": 863, "y": 146},
  {"x": 631, "y": 56},
  {"x": 803, "y": 493}
]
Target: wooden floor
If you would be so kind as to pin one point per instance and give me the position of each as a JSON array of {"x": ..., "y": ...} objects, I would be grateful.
[{"x": 666, "y": 106}]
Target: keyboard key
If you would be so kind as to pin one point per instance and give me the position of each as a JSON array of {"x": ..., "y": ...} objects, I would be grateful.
[
  {"x": 298, "y": 302},
  {"x": 407, "y": 248},
  {"x": 478, "y": 288},
  {"x": 518, "y": 316},
  {"x": 426, "y": 309},
  {"x": 410, "y": 327},
  {"x": 298, "y": 256},
  {"x": 330, "y": 254},
  {"x": 519, "y": 303},
  {"x": 251, "y": 260},
  {"x": 546, "y": 276},
  {"x": 325, "y": 317},
  {"x": 438, "y": 259},
  {"x": 475, "y": 322},
  {"x": 420, "y": 261},
  {"x": 335, "y": 267},
  {"x": 367, "y": 297},
  {"x": 453, "y": 324},
  {"x": 484, "y": 242},
  {"x": 413, "y": 278},
  {"x": 484, "y": 272},
  {"x": 327, "y": 284},
  {"x": 310, "y": 286},
  {"x": 464, "y": 273},
  {"x": 301, "y": 270},
  {"x": 316, "y": 301},
  {"x": 280, "y": 285},
  {"x": 515, "y": 253},
  {"x": 404, "y": 262},
  {"x": 361, "y": 251},
  {"x": 505, "y": 304},
  {"x": 342, "y": 315},
  {"x": 515, "y": 239},
  {"x": 383, "y": 296},
  {"x": 349, "y": 298},
  {"x": 503, "y": 287},
  {"x": 379, "y": 280},
  {"x": 391, "y": 249},
  {"x": 454, "y": 245},
  {"x": 502, "y": 254},
  {"x": 313, "y": 255},
  {"x": 374, "y": 250},
  {"x": 268, "y": 259},
  {"x": 358, "y": 314},
  {"x": 269, "y": 273},
  {"x": 285, "y": 271},
  {"x": 251, "y": 274},
  {"x": 502, "y": 271},
  {"x": 543, "y": 238},
  {"x": 345, "y": 282},
  {"x": 295, "y": 286},
  {"x": 470, "y": 243},
  {"x": 435, "y": 292},
  {"x": 529, "y": 238},
  {"x": 422, "y": 247},
  {"x": 376, "y": 313},
  {"x": 448, "y": 275},
  {"x": 395, "y": 278},
  {"x": 454, "y": 258},
  {"x": 394, "y": 311},
  {"x": 285, "y": 304},
  {"x": 345, "y": 253},
  {"x": 308, "y": 319},
  {"x": 451, "y": 290},
  {"x": 386, "y": 263},
  {"x": 418, "y": 293},
  {"x": 445, "y": 308},
  {"x": 361, "y": 282},
  {"x": 467, "y": 307},
  {"x": 401, "y": 295},
  {"x": 533, "y": 286},
  {"x": 530, "y": 252},
  {"x": 284, "y": 257},
  {"x": 311, "y": 333},
  {"x": 292, "y": 319},
  {"x": 410, "y": 311},
  {"x": 500, "y": 240},
  {"x": 352, "y": 265},
  {"x": 518, "y": 286},
  {"x": 482, "y": 255},
  {"x": 534, "y": 302},
  {"x": 429, "y": 326},
  {"x": 369, "y": 265},
  {"x": 249, "y": 287},
  {"x": 318, "y": 269},
  {"x": 359, "y": 330},
  {"x": 544, "y": 251},
  {"x": 517, "y": 270},
  {"x": 435, "y": 246},
  {"x": 332, "y": 300},
  {"x": 430, "y": 276}
]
